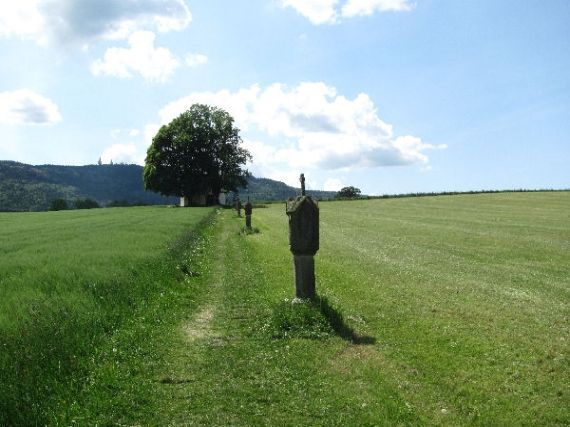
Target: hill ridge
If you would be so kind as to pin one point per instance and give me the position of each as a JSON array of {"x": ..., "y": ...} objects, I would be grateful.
[{"x": 25, "y": 187}]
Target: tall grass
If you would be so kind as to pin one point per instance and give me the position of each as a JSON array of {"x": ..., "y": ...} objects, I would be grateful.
[{"x": 69, "y": 281}]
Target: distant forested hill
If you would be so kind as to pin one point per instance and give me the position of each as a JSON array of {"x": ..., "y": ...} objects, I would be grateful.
[
  {"x": 265, "y": 189},
  {"x": 31, "y": 188}
]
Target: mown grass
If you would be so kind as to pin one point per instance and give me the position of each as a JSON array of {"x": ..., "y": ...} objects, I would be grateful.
[
  {"x": 457, "y": 310},
  {"x": 73, "y": 286},
  {"x": 445, "y": 310},
  {"x": 227, "y": 366},
  {"x": 468, "y": 299}
]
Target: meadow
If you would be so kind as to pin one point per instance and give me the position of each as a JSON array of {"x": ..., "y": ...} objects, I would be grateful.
[
  {"x": 450, "y": 310},
  {"x": 70, "y": 281}
]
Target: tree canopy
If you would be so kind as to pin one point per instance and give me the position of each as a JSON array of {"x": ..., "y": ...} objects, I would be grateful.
[
  {"x": 348, "y": 193},
  {"x": 199, "y": 152}
]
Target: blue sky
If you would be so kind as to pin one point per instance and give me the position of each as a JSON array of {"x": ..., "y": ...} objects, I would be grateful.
[{"x": 386, "y": 95}]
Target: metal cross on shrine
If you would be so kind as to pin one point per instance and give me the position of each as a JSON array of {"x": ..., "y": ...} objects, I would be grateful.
[{"x": 302, "y": 179}]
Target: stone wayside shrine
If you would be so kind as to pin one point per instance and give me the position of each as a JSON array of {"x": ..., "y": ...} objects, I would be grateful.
[
  {"x": 238, "y": 206},
  {"x": 248, "y": 209},
  {"x": 303, "y": 214}
]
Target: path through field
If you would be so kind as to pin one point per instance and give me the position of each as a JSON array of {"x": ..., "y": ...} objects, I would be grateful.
[
  {"x": 464, "y": 302},
  {"x": 432, "y": 311},
  {"x": 224, "y": 370}
]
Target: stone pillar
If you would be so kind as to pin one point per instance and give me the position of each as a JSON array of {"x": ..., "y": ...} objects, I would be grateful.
[
  {"x": 303, "y": 214},
  {"x": 248, "y": 209},
  {"x": 238, "y": 207},
  {"x": 304, "y": 276}
]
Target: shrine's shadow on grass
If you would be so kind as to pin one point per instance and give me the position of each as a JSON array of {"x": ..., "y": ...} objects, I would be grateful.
[
  {"x": 338, "y": 323},
  {"x": 312, "y": 319}
]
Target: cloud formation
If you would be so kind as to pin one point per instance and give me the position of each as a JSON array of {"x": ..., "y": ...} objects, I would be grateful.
[
  {"x": 123, "y": 153},
  {"x": 25, "y": 107},
  {"x": 71, "y": 21},
  {"x": 310, "y": 126},
  {"x": 65, "y": 22},
  {"x": 368, "y": 7},
  {"x": 155, "y": 64},
  {"x": 317, "y": 11},
  {"x": 128, "y": 147},
  {"x": 333, "y": 184},
  {"x": 141, "y": 57},
  {"x": 328, "y": 11},
  {"x": 195, "y": 59}
]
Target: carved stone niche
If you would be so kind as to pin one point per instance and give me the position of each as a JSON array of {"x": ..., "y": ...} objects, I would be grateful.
[
  {"x": 248, "y": 208},
  {"x": 303, "y": 214}
]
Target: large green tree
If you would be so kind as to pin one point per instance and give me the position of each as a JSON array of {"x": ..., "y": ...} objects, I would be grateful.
[{"x": 199, "y": 152}]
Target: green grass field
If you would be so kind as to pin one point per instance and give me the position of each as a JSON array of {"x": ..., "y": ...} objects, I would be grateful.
[
  {"x": 70, "y": 281},
  {"x": 447, "y": 310}
]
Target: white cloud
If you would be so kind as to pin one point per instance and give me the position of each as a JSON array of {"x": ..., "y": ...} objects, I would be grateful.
[
  {"x": 71, "y": 21},
  {"x": 328, "y": 12},
  {"x": 333, "y": 184},
  {"x": 309, "y": 126},
  {"x": 27, "y": 107},
  {"x": 123, "y": 153},
  {"x": 239, "y": 104},
  {"x": 196, "y": 59},
  {"x": 129, "y": 147},
  {"x": 259, "y": 150},
  {"x": 368, "y": 7},
  {"x": 141, "y": 57},
  {"x": 149, "y": 132},
  {"x": 21, "y": 18},
  {"x": 65, "y": 22},
  {"x": 120, "y": 134},
  {"x": 317, "y": 11}
]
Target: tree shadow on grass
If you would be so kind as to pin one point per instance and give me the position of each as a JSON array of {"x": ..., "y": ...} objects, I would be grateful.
[{"x": 339, "y": 325}]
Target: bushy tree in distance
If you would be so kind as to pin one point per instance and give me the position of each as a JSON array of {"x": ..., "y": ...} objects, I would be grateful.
[
  {"x": 58, "y": 205},
  {"x": 86, "y": 204},
  {"x": 348, "y": 193},
  {"x": 199, "y": 152}
]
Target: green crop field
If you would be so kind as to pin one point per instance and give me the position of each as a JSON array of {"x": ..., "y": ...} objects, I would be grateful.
[
  {"x": 451, "y": 310},
  {"x": 69, "y": 282}
]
